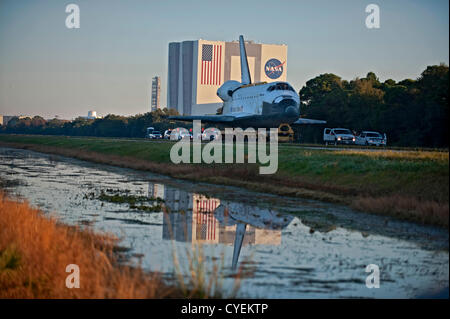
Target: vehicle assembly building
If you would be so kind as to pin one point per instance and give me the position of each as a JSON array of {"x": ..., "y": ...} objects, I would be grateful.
[{"x": 198, "y": 68}]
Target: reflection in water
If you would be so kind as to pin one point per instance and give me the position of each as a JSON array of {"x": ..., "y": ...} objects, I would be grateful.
[{"x": 195, "y": 218}]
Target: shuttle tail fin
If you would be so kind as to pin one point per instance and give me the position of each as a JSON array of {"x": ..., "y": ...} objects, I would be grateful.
[
  {"x": 239, "y": 239},
  {"x": 245, "y": 72}
]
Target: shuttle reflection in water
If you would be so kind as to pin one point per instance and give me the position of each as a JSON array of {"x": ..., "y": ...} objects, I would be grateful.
[{"x": 195, "y": 218}]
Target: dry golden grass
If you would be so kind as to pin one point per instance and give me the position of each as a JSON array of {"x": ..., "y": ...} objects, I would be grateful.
[
  {"x": 35, "y": 250},
  {"x": 422, "y": 211},
  {"x": 407, "y": 155}
]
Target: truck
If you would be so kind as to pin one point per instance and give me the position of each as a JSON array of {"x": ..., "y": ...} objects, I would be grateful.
[{"x": 337, "y": 136}]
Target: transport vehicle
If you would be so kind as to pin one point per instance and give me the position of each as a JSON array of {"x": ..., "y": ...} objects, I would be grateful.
[{"x": 285, "y": 133}]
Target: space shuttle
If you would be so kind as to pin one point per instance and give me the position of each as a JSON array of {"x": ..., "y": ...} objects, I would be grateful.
[{"x": 257, "y": 105}]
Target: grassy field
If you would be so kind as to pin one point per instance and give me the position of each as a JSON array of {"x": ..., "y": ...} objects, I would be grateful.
[{"x": 411, "y": 185}]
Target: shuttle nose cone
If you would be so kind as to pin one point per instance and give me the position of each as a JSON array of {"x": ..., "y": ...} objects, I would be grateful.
[
  {"x": 291, "y": 111},
  {"x": 287, "y": 106}
]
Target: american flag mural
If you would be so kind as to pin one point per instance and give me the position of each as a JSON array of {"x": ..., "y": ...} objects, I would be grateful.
[
  {"x": 211, "y": 64},
  {"x": 206, "y": 222}
]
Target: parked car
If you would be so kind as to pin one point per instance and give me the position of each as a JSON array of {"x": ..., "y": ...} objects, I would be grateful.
[
  {"x": 371, "y": 138},
  {"x": 155, "y": 135},
  {"x": 338, "y": 136},
  {"x": 178, "y": 134}
]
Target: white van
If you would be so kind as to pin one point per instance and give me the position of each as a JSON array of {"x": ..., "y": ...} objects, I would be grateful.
[{"x": 338, "y": 136}]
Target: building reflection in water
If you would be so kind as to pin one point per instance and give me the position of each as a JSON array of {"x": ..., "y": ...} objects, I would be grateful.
[{"x": 195, "y": 218}]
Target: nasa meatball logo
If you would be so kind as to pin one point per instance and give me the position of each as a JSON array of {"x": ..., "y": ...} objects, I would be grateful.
[{"x": 273, "y": 68}]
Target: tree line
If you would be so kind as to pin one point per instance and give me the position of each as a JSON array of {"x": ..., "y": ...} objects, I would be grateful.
[
  {"x": 410, "y": 112},
  {"x": 108, "y": 126}
]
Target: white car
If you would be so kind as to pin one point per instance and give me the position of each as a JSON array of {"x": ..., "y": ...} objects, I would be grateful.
[
  {"x": 154, "y": 135},
  {"x": 338, "y": 136},
  {"x": 179, "y": 134},
  {"x": 371, "y": 138}
]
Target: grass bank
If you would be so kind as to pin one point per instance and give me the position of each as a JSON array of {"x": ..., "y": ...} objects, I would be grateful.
[
  {"x": 411, "y": 185},
  {"x": 35, "y": 250}
]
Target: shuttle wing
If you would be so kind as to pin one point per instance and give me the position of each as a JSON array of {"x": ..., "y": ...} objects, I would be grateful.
[{"x": 302, "y": 121}]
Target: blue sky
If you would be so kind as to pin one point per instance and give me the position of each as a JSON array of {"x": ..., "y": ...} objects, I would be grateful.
[{"x": 107, "y": 64}]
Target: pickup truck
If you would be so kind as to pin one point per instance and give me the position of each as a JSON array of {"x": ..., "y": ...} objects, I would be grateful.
[
  {"x": 371, "y": 138},
  {"x": 338, "y": 136}
]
